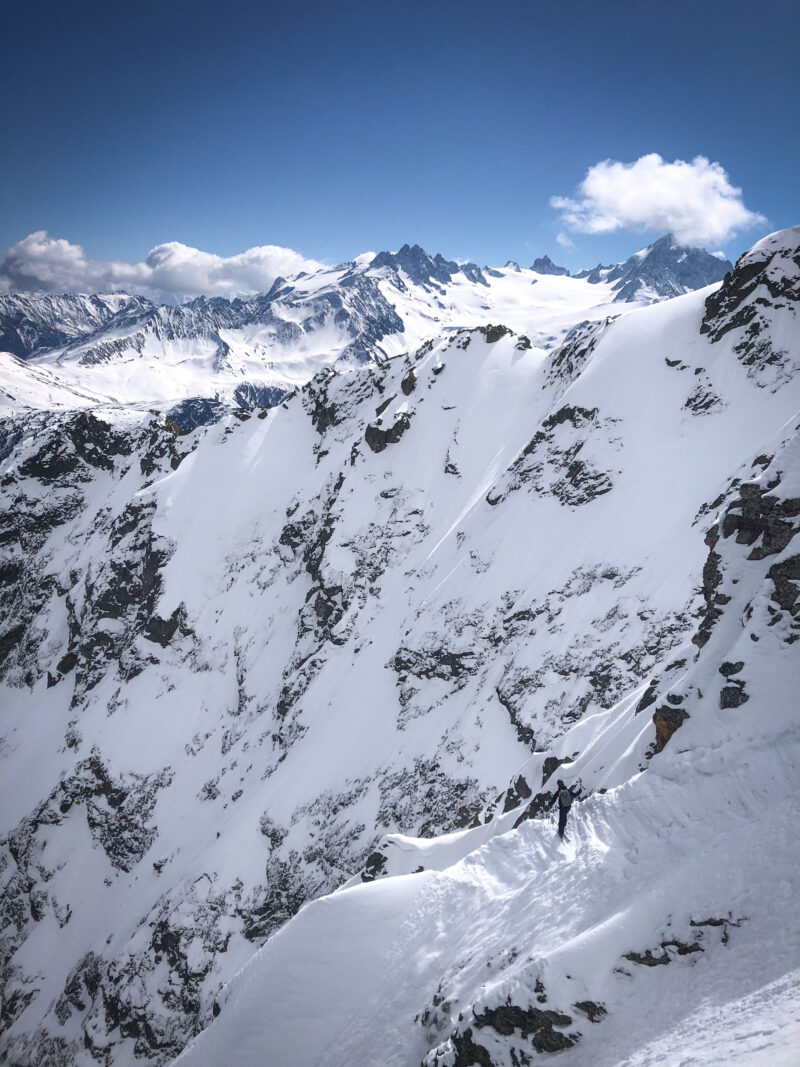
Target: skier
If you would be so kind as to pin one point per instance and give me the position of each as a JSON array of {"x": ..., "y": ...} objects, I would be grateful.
[{"x": 564, "y": 797}]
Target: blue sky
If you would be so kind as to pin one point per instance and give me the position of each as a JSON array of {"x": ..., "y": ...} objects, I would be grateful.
[{"x": 334, "y": 128}]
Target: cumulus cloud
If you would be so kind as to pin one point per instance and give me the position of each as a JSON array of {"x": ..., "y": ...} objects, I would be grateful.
[
  {"x": 696, "y": 200},
  {"x": 40, "y": 263},
  {"x": 564, "y": 240}
]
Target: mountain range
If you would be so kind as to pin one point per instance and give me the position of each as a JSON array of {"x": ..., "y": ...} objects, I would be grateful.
[
  {"x": 286, "y": 687},
  {"x": 197, "y": 359}
]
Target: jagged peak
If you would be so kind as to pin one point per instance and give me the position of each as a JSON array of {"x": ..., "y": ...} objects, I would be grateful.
[{"x": 545, "y": 265}]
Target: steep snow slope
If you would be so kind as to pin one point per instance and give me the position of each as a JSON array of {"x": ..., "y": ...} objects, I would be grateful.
[
  {"x": 521, "y": 943},
  {"x": 673, "y": 899},
  {"x": 253, "y": 650}
]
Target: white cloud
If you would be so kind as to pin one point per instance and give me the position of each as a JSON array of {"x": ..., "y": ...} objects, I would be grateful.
[
  {"x": 564, "y": 241},
  {"x": 696, "y": 201},
  {"x": 364, "y": 259},
  {"x": 40, "y": 263}
]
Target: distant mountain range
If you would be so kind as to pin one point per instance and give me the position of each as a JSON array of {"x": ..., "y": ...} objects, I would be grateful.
[{"x": 211, "y": 354}]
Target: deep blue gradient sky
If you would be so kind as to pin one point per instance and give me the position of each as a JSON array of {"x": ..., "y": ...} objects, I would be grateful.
[{"x": 334, "y": 128}]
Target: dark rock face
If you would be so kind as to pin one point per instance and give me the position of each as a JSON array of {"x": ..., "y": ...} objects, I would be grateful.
[
  {"x": 249, "y": 396},
  {"x": 667, "y": 720},
  {"x": 516, "y": 793},
  {"x": 786, "y": 581},
  {"x": 758, "y": 515},
  {"x": 494, "y": 333},
  {"x": 593, "y": 1011},
  {"x": 196, "y": 411},
  {"x": 468, "y": 1052},
  {"x": 727, "y": 669},
  {"x": 426, "y": 270},
  {"x": 323, "y": 412},
  {"x": 514, "y": 1033},
  {"x": 409, "y": 383},
  {"x": 765, "y": 280},
  {"x": 436, "y": 663},
  {"x": 649, "y": 696},
  {"x": 378, "y": 438},
  {"x": 417, "y": 264},
  {"x": 714, "y": 600},
  {"x": 447, "y": 801},
  {"x": 507, "y": 693},
  {"x": 32, "y": 324},
  {"x": 369, "y": 314},
  {"x": 551, "y": 765},
  {"x": 703, "y": 400},
  {"x": 545, "y": 265},
  {"x": 554, "y": 460},
  {"x": 648, "y": 959},
  {"x": 329, "y": 402},
  {"x": 766, "y": 523},
  {"x": 84, "y": 445},
  {"x": 106, "y": 610},
  {"x": 566, "y": 683},
  {"x": 105, "y": 993},
  {"x": 374, "y": 867},
  {"x": 733, "y": 696},
  {"x": 533, "y": 1023},
  {"x": 474, "y": 273},
  {"x": 672, "y": 948},
  {"x": 569, "y": 359},
  {"x": 117, "y": 811}
]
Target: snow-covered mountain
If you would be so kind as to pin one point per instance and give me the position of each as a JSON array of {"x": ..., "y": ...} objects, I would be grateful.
[
  {"x": 35, "y": 324},
  {"x": 662, "y": 270},
  {"x": 336, "y": 653},
  {"x": 199, "y": 359},
  {"x": 545, "y": 265}
]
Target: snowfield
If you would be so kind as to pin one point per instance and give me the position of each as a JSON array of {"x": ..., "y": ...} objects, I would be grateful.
[{"x": 303, "y": 680}]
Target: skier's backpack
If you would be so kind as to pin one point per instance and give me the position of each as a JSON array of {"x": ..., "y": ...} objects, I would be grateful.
[{"x": 565, "y": 798}]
